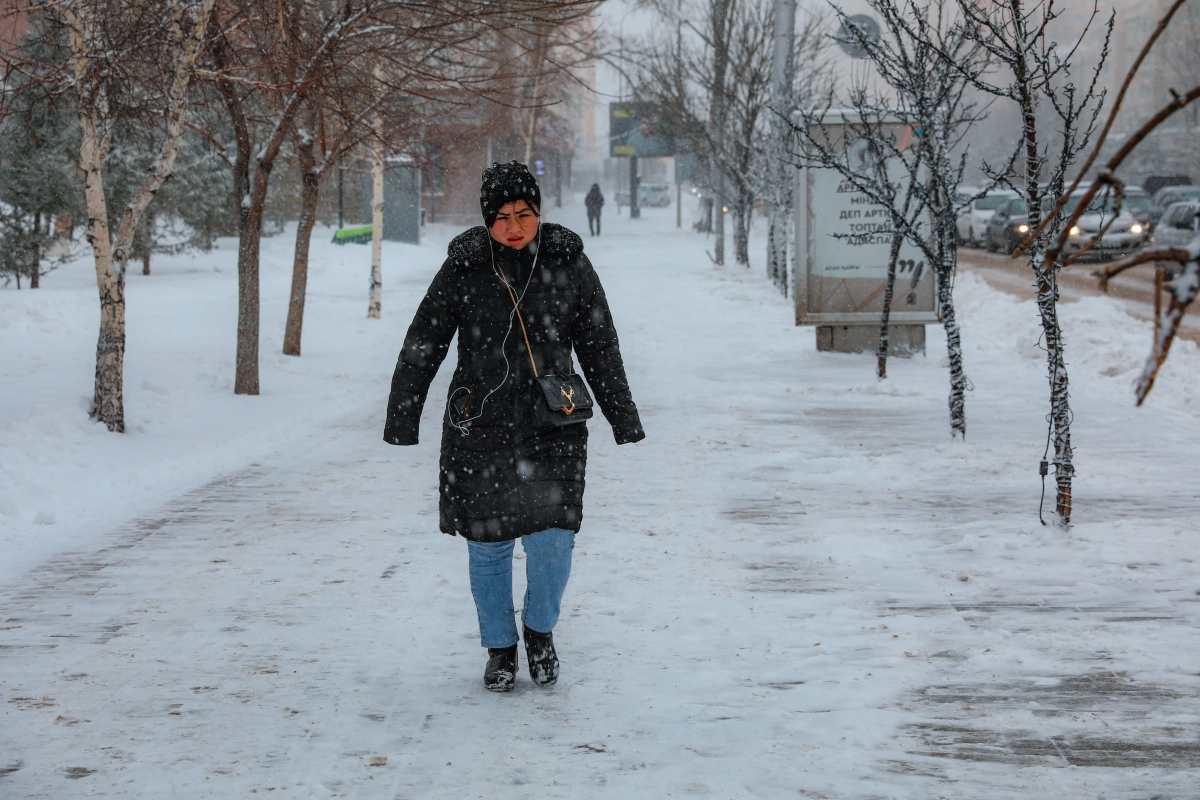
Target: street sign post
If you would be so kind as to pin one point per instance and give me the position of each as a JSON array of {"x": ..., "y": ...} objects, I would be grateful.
[{"x": 633, "y": 132}]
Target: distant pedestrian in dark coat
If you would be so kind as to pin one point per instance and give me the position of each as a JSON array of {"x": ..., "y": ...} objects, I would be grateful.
[
  {"x": 594, "y": 202},
  {"x": 503, "y": 476}
]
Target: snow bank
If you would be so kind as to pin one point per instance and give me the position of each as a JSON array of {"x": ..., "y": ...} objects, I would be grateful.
[
  {"x": 1106, "y": 347},
  {"x": 64, "y": 479}
]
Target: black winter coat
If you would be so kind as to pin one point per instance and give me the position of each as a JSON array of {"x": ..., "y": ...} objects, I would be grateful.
[
  {"x": 502, "y": 475},
  {"x": 594, "y": 202}
]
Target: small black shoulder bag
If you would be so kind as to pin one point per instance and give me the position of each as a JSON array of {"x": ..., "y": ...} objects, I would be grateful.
[{"x": 558, "y": 400}]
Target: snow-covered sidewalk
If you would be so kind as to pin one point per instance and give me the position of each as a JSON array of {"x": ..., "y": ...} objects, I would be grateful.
[{"x": 796, "y": 586}]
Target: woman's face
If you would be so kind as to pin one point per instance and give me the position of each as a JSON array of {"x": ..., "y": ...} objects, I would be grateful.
[{"x": 516, "y": 224}]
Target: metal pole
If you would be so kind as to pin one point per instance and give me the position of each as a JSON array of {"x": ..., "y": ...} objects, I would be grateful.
[
  {"x": 634, "y": 210},
  {"x": 720, "y": 63}
]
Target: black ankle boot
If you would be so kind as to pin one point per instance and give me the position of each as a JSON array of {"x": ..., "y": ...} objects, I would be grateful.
[
  {"x": 501, "y": 671},
  {"x": 543, "y": 661}
]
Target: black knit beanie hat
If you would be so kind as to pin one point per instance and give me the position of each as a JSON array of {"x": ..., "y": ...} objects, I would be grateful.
[{"x": 506, "y": 183}]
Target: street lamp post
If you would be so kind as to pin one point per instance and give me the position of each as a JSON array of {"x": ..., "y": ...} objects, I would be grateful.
[{"x": 634, "y": 211}]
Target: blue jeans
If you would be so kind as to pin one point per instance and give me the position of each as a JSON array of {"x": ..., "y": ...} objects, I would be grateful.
[{"x": 547, "y": 568}]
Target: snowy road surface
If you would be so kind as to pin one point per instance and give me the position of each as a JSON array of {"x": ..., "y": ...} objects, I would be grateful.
[
  {"x": 797, "y": 586},
  {"x": 1134, "y": 289}
]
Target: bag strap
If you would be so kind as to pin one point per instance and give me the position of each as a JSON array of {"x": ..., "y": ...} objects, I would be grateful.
[{"x": 520, "y": 319}]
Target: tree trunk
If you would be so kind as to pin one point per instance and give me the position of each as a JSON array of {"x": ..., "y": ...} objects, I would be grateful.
[
  {"x": 250, "y": 199},
  {"x": 250, "y": 191},
  {"x": 1047, "y": 302},
  {"x": 249, "y": 245},
  {"x": 245, "y": 379},
  {"x": 249, "y": 222},
  {"x": 375, "y": 301},
  {"x": 741, "y": 234},
  {"x": 149, "y": 242},
  {"x": 780, "y": 205},
  {"x": 108, "y": 402},
  {"x": 308, "y": 216},
  {"x": 717, "y": 122},
  {"x": 885, "y": 316},
  {"x": 958, "y": 379},
  {"x": 947, "y": 234},
  {"x": 249, "y": 248},
  {"x": 772, "y": 235},
  {"x": 1060, "y": 409},
  {"x": 37, "y": 251},
  {"x": 96, "y": 130}
]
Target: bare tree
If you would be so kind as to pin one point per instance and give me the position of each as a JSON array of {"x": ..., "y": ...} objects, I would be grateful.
[
  {"x": 713, "y": 89},
  {"x": 1184, "y": 280},
  {"x": 273, "y": 58},
  {"x": 546, "y": 52},
  {"x": 261, "y": 64},
  {"x": 129, "y": 64},
  {"x": 1017, "y": 35}
]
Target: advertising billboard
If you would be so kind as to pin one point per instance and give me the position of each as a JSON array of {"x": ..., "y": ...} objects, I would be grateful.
[
  {"x": 842, "y": 249},
  {"x": 632, "y": 131}
]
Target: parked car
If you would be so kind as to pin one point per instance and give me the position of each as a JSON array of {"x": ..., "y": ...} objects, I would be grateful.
[
  {"x": 972, "y": 222},
  {"x": 1137, "y": 200},
  {"x": 1007, "y": 225},
  {"x": 1124, "y": 234},
  {"x": 651, "y": 194},
  {"x": 1165, "y": 198},
  {"x": 1153, "y": 183},
  {"x": 1179, "y": 225}
]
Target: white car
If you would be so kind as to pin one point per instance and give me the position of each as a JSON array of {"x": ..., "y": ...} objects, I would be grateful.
[
  {"x": 1178, "y": 226},
  {"x": 973, "y": 221},
  {"x": 1124, "y": 235},
  {"x": 653, "y": 194}
]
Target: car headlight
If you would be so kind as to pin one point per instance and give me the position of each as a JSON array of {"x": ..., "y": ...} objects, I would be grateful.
[
  {"x": 1074, "y": 231},
  {"x": 1022, "y": 228},
  {"x": 1136, "y": 229}
]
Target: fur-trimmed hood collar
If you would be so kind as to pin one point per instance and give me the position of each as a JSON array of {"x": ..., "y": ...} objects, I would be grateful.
[{"x": 555, "y": 241}]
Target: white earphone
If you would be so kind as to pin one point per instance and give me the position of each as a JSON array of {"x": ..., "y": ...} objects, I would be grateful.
[{"x": 463, "y": 425}]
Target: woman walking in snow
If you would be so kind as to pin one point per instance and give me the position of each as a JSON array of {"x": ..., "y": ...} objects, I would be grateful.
[
  {"x": 521, "y": 295},
  {"x": 594, "y": 201}
]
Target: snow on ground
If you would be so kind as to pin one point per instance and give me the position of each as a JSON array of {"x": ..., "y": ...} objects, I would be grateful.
[
  {"x": 796, "y": 586},
  {"x": 62, "y": 476}
]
